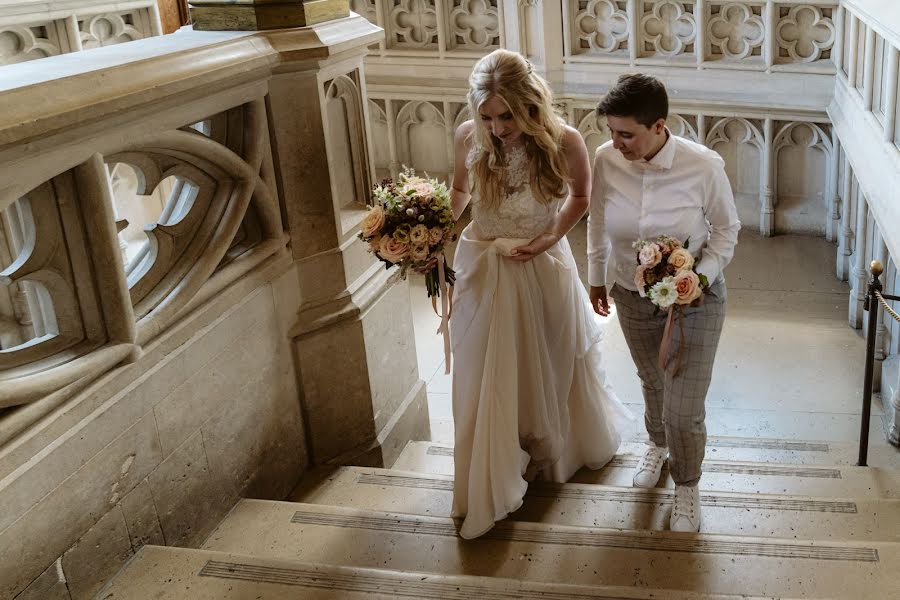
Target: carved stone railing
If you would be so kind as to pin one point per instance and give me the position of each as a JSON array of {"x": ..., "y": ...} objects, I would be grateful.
[
  {"x": 160, "y": 359},
  {"x": 37, "y": 29}
]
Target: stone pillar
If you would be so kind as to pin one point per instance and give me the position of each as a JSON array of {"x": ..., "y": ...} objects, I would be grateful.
[
  {"x": 846, "y": 237},
  {"x": 353, "y": 340},
  {"x": 859, "y": 274},
  {"x": 261, "y": 15},
  {"x": 833, "y": 217},
  {"x": 767, "y": 189}
]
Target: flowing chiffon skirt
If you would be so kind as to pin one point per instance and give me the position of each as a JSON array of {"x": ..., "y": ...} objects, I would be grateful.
[{"x": 529, "y": 385}]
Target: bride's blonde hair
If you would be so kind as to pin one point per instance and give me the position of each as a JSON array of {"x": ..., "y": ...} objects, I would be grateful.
[{"x": 509, "y": 77}]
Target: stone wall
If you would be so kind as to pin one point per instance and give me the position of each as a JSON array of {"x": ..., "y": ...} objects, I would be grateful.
[{"x": 210, "y": 413}]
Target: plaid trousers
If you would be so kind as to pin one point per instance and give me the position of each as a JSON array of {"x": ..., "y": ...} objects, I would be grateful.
[{"x": 675, "y": 412}]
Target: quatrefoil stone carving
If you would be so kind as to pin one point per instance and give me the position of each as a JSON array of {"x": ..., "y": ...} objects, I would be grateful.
[
  {"x": 415, "y": 21},
  {"x": 736, "y": 31},
  {"x": 804, "y": 33},
  {"x": 669, "y": 28},
  {"x": 602, "y": 26},
  {"x": 475, "y": 22}
]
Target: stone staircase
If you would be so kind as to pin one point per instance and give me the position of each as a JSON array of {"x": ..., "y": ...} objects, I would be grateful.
[{"x": 782, "y": 519}]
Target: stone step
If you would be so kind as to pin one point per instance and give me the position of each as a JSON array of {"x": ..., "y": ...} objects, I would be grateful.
[
  {"x": 839, "y": 481},
  {"x": 717, "y": 564},
  {"x": 167, "y": 573},
  {"x": 615, "y": 507}
]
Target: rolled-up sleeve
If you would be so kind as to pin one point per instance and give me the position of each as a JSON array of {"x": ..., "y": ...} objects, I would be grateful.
[
  {"x": 721, "y": 213},
  {"x": 598, "y": 240}
]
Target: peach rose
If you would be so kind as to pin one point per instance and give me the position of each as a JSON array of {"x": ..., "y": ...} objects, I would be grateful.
[
  {"x": 681, "y": 259},
  {"x": 435, "y": 234},
  {"x": 392, "y": 250},
  {"x": 650, "y": 255},
  {"x": 373, "y": 222},
  {"x": 687, "y": 285}
]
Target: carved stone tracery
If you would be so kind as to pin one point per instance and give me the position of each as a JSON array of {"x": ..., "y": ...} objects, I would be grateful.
[
  {"x": 736, "y": 31},
  {"x": 601, "y": 26},
  {"x": 805, "y": 33},
  {"x": 668, "y": 28}
]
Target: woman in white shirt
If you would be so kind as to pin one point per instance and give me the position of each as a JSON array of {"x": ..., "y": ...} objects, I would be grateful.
[{"x": 646, "y": 183}]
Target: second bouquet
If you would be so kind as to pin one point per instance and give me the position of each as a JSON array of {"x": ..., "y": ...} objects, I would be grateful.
[{"x": 666, "y": 275}]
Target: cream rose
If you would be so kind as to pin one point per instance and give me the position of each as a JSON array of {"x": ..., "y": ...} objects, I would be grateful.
[
  {"x": 650, "y": 255},
  {"x": 687, "y": 285},
  {"x": 393, "y": 250},
  {"x": 418, "y": 234},
  {"x": 681, "y": 259},
  {"x": 419, "y": 253},
  {"x": 373, "y": 222},
  {"x": 435, "y": 234}
]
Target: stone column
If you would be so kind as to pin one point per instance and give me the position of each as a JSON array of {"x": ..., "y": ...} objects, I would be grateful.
[
  {"x": 261, "y": 15},
  {"x": 353, "y": 340},
  {"x": 859, "y": 275},
  {"x": 767, "y": 189},
  {"x": 833, "y": 217},
  {"x": 846, "y": 234}
]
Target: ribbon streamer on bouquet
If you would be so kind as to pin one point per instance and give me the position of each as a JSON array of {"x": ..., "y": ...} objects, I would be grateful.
[
  {"x": 446, "y": 310},
  {"x": 667, "y": 341}
]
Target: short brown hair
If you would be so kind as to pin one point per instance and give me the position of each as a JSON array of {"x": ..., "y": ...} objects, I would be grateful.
[{"x": 636, "y": 95}]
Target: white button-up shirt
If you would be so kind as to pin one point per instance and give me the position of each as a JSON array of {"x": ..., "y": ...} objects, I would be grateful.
[{"x": 682, "y": 192}]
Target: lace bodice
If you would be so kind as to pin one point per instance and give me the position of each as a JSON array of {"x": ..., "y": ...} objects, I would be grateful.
[{"x": 519, "y": 214}]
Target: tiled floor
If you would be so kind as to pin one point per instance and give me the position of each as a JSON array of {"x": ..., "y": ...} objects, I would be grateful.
[{"x": 788, "y": 364}]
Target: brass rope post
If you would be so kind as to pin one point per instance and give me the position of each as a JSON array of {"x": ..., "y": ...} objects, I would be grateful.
[{"x": 874, "y": 290}]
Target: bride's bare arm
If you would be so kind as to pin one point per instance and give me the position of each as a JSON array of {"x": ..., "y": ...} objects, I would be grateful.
[
  {"x": 459, "y": 189},
  {"x": 575, "y": 205}
]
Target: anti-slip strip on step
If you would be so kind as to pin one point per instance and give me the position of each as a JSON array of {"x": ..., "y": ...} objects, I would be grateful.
[
  {"x": 547, "y": 490},
  {"x": 720, "y": 442},
  {"x": 735, "y": 468},
  {"x": 375, "y": 583},
  {"x": 527, "y": 532}
]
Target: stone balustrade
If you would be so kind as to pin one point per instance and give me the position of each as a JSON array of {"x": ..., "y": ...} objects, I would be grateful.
[{"x": 186, "y": 316}]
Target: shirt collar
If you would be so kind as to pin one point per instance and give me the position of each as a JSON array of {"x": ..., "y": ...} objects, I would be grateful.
[{"x": 665, "y": 156}]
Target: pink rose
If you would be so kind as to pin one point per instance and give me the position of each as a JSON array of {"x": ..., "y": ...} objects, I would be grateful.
[
  {"x": 392, "y": 250},
  {"x": 639, "y": 281},
  {"x": 373, "y": 222},
  {"x": 435, "y": 235},
  {"x": 687, "y": 285},
  {"x": 681, "y": 259},
  {"x": 423, "y": 189},
  {"x": 650, "y": 255}
]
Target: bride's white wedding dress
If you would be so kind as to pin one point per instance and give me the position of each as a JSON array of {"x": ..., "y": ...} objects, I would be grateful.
[{"x": 528, "y": 382}]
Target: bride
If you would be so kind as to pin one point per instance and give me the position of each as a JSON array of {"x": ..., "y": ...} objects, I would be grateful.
[{"x": 530, "y": 396}]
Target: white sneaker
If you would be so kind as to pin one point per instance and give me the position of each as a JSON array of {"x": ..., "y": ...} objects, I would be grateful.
[
  {"x": 686, "y": 509},
  {"x": 648, "y": 470}
]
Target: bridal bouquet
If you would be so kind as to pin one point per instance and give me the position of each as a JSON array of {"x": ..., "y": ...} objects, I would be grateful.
[
  {"x": 408, "y": 225},
  {"x": 665, "y": 272}
]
